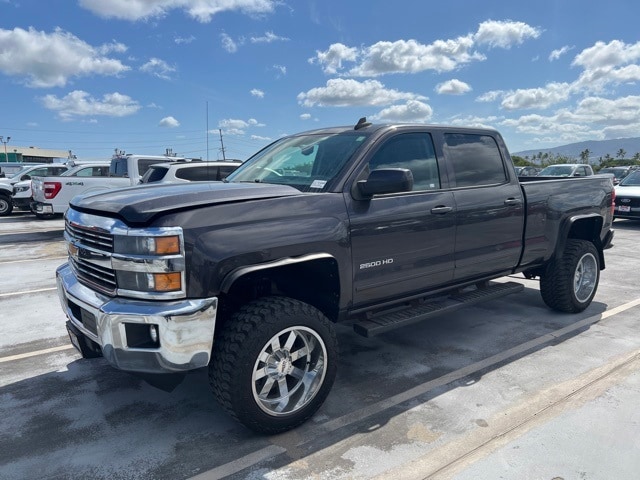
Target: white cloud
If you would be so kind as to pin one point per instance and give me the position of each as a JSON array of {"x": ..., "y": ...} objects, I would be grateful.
[
  {"x": 184, "y": 40},
  {"x": 340, "y": 92},
  {"x": 607, "y": 55},
  {"x": 411, "y": 56},
  {"x": 453, "y": 87},
  {"x": 305, "y": 116},
  {"x": 232, "y": 126},
  {"x": 331, "y": 60},
  {"x": 258, "y": 137},
  {"x": 45, "y": 60},
  {"x": 556, "y": 54},
  {"x": 158, "y": 68},
  {"x": 257, "y": 93},
  {"x": 504, "y": 34},
  {"x": 592, "y": 118},
  {"x": 540, "y": 98},
  {"x": 412, "y": 111},
  {"x": 281, "y": 69},
  {"x": 491, "y": 96},
  {"x": 228, "y": 43},
  {"x": 169, "y": 122},
  {"x": 201, "y": 10},
  {"x": 268, "y": 37},
  {"x": 80, "y": 104}
]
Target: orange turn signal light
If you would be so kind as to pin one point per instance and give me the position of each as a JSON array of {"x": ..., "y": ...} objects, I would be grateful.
[
  {"x": 167, "y": 245},
  {"x": 167, "y": 282}
]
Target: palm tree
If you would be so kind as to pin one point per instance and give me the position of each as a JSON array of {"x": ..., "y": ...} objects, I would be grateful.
[
  {"x": 621, "y": 154},
  {"x": 584, "y": 155}
]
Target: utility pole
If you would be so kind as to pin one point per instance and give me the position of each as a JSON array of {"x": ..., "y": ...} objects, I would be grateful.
[
  {"x": 6, "y": 159},
  {"x": 222, "y": 144},
  {"x": 207, "y": 122}
]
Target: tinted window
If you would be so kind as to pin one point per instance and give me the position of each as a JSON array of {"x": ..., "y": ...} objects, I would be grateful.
[
  {"x": 200, "y": 173},
  {"x": 413, "y": 151},
  {"x": 154, "y": 174},
  {"x": 226, "y": 170},
  {"x": 475, "y": 159},
  {"x": 144, "y": 164}
]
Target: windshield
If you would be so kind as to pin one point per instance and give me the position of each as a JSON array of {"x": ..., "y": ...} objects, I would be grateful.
[
  {"x": 307, "y": 162},
  {"x": 19, "y": 172},
  {"x": 556, "y": 171},
  {"x": 632, "y": 179},
  {"x": 154, "y": 174},
  {"x": 617, "y": 172}
]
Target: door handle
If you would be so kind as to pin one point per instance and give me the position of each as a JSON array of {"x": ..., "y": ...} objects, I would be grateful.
[
  {"x": 441, "y": 210},
  {"x": 513, "y": 201}
]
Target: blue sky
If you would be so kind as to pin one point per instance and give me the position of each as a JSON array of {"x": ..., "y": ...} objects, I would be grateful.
[{"x": 142, "y": 76}]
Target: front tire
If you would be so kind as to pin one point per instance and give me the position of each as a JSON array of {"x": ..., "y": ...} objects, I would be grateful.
[
  {"x": 6, "y": 205},
  {"x": 273, "y": 364},
  {"x": 570, "y": 281}
]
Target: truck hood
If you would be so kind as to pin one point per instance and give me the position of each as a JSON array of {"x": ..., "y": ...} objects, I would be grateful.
[{"x": 138, "y": 205}]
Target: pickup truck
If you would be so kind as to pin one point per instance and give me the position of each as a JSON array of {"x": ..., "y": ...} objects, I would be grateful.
[
  {"x": 52, "y": 195},
  {"x": 24, "y": 174},
  {"x": 380, "y": 226}
]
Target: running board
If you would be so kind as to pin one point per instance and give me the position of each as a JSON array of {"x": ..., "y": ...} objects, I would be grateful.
[{"x": 387, "y": 321}]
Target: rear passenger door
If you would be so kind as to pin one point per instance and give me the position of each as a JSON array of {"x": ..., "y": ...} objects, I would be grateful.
[
  {"x": 490, "y": 207},
  {"x": 403, "y": 242}
]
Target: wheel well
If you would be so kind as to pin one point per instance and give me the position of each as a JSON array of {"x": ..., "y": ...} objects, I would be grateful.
[
  {"x": 315, "y": 282},
  {"x": 588, "y": 229}
]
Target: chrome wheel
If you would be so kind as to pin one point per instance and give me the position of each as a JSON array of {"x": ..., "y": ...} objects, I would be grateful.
[
  {"x": 585, "y": 277},
  {"x": 289, "y": 371}
]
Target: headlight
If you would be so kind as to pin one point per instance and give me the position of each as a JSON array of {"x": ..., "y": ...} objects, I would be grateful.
[{"x": 23, "y": 188}]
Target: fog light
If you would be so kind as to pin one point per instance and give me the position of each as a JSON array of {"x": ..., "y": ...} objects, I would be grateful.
[{"x": 153, "y": 332}]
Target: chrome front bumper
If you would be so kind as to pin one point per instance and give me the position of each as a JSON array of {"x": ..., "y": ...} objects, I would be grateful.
[{"x": 184, "y": 327}]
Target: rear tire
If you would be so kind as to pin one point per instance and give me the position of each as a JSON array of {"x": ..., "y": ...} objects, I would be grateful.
[
  {"x": 273, "y": 363},
  {"x": 6, "y": 205},
  {"x": 571, "y": 280}
]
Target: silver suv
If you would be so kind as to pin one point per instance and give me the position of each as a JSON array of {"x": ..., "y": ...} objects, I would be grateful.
[{"x": 193, "y": 171}]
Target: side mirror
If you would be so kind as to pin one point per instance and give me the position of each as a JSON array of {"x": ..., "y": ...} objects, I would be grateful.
[
  {"x": 25, "y": 177},
  {"x": 386, "y": 180}
]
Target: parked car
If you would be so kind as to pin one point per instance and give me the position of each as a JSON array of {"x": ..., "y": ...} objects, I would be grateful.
[
  {"x": 9, "y": 168},
  {"x": 52, "y": 196},
  {"x": 628, "y": 197},
  {"x": 193, "y": 171},
  {"x": 618, "y": 172},
  {"x": 527, "y": 171},
  {"x": 566, "y": 170},
  {"x": 23, "y": 191},
  {"x": 24, "y": 174}
]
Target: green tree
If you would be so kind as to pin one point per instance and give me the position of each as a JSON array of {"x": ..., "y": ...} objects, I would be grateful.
[
  {"x": 621, "y": 154},
  {"x": 584, "y": 155}
]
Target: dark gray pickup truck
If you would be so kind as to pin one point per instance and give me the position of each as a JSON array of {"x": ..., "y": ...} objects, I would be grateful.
[{"x": 378, "y": 225}]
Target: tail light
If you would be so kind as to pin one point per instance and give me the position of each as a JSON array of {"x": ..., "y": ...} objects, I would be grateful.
[
  {"x": 613, "y": 202},
  {"x": 51, "y": 189}
]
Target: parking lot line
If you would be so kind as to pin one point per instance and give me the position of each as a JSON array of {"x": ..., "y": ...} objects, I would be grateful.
[
  {"x": 24, "y": 292},
  {"x": 20, "y": 356},
  {"x": 31, "y": 260}
]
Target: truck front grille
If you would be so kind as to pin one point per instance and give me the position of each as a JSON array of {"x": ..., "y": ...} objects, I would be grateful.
[{"x": 90, "y": 237}]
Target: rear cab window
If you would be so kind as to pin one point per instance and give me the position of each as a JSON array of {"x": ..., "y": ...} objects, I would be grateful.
[{"x": 475, "y": 159}]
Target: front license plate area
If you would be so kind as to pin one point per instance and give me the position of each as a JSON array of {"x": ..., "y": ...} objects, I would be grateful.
[
  {"x": 624, "y": 208},
  {"x": 74, "y": 340}
]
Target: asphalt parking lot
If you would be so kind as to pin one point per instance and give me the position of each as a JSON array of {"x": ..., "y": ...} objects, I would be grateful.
[{"x": 506, "y": 389}]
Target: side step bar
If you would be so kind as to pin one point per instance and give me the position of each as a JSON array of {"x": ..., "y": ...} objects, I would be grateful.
[{"x": 387, "y": 321}]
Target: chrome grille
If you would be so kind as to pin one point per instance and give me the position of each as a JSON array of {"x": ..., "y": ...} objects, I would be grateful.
[
  {"x": 90, "y": 237},
  {"x": 100, "y": 278}
]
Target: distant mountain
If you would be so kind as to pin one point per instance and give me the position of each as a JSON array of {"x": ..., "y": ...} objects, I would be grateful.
[{"x": 597, "y": 149}]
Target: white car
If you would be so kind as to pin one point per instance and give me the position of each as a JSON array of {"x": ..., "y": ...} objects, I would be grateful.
[
  {"x": 628, "y": 197},
  {"x": 566, "y": 170},
  {"x": 193, "y": 171}
]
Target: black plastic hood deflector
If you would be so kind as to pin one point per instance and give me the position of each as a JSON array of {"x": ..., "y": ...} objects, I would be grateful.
[{"x": 138, "y": 205}]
